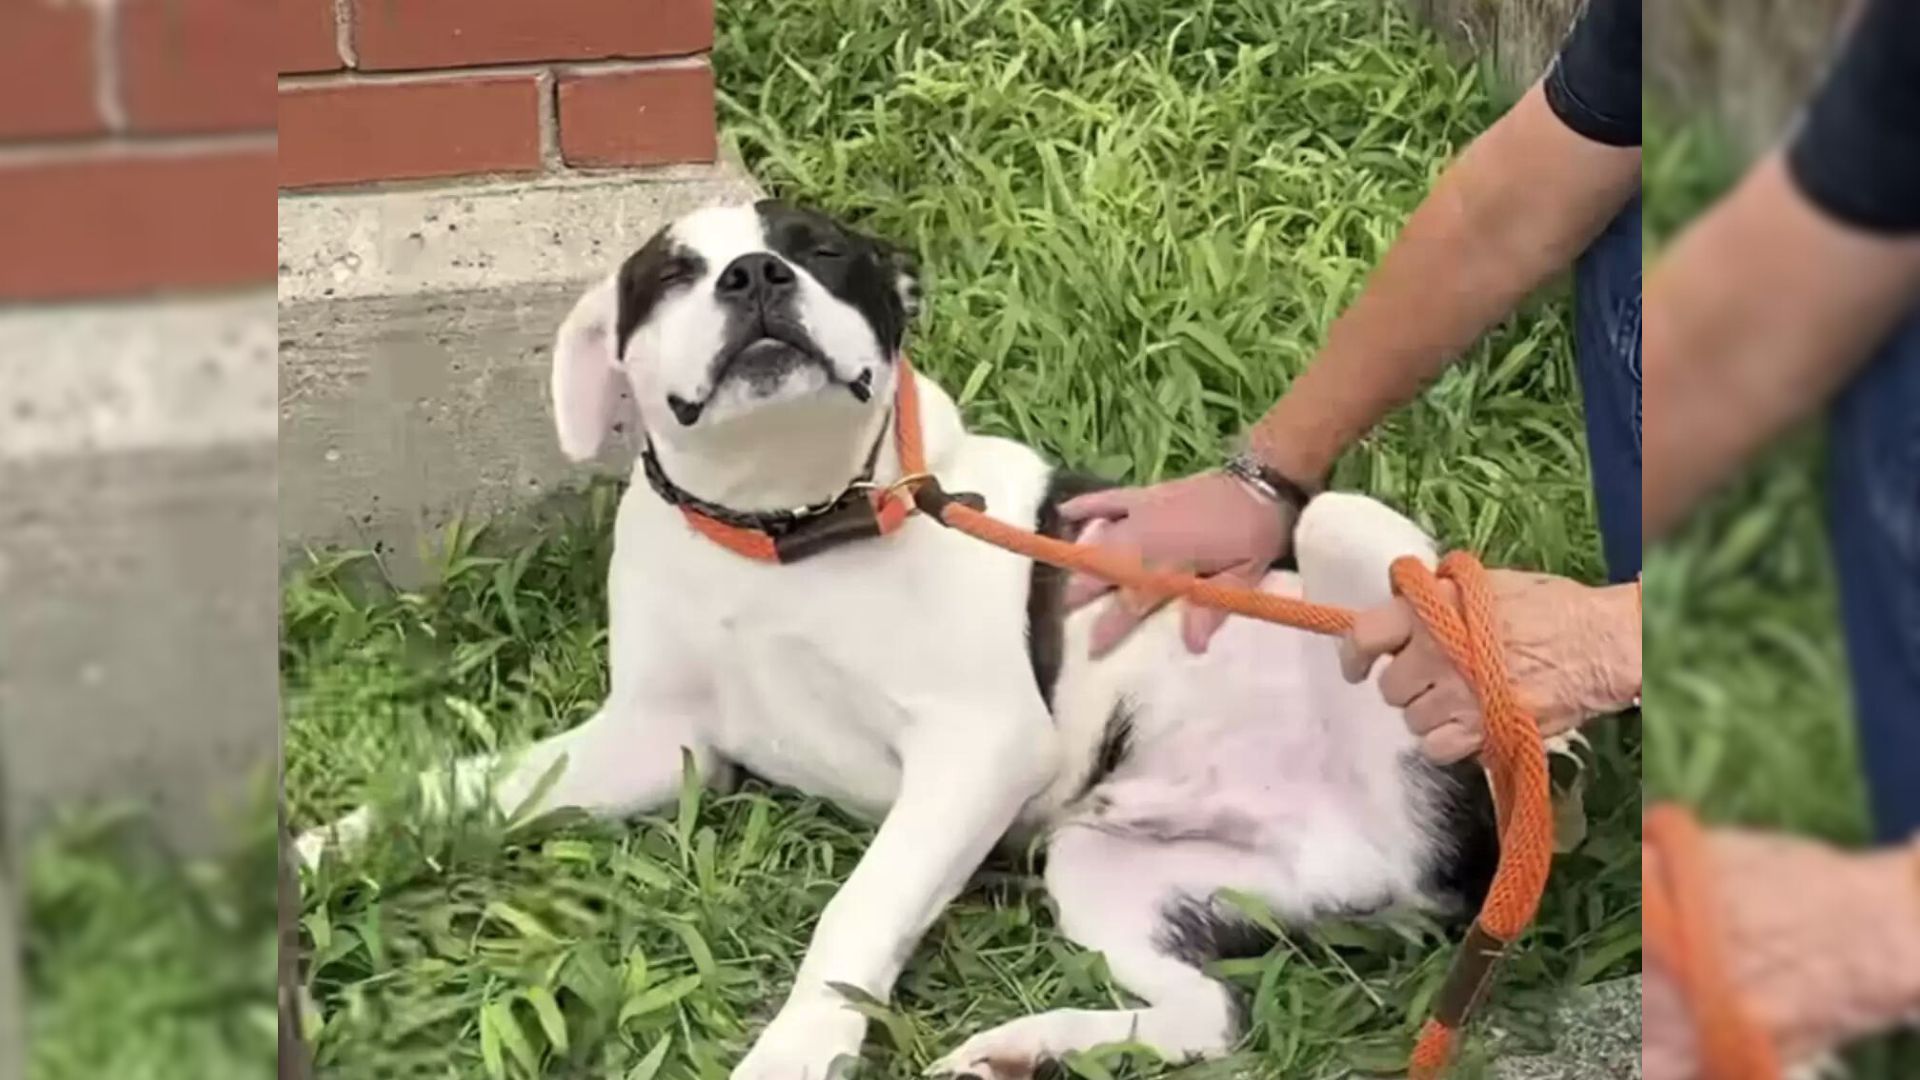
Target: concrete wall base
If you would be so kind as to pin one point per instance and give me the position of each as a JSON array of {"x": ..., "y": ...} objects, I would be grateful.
[{"x": 138, "y": 599}]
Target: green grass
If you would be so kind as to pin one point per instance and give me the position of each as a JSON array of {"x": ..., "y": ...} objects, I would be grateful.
[
  {"x": 1137, "y": 219},
  {"x": 141, "y": 967}
]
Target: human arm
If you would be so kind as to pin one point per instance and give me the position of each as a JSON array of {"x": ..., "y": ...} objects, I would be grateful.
[
  {"x": 1511, "y": 212},
  {"x": 1514, "y": 210},
  {"x": 1773, "y": 299}
]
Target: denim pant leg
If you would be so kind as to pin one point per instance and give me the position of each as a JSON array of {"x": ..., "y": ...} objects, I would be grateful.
[
  {"x": 1874, "y": 506},
  {"x": 1606, "y": 350}
]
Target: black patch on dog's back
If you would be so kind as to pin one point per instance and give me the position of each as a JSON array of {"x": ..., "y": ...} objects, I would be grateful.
[
  {"x": 1463, "y": 868},
  {"x": 1047, "y": 585},
  {"x": 1197, "y": 932}
]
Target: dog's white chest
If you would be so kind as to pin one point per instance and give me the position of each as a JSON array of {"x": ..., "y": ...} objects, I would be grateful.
[{"x": 801, "y": 714}]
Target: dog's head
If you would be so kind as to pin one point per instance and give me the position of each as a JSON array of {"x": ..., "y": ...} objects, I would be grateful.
[{"x": 735, "y": 318}]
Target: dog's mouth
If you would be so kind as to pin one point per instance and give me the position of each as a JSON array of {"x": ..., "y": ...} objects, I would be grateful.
[{"x": 763, "y": 362}]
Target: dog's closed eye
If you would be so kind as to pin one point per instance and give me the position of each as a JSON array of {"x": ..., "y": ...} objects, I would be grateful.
[{"x": 678, "y": 270}]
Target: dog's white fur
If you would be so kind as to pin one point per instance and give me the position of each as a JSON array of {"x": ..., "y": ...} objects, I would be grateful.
[{"x": 893, "y": 677}]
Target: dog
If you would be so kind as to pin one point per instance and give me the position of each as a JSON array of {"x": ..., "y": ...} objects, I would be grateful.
[{"x": 935, "y": 684}]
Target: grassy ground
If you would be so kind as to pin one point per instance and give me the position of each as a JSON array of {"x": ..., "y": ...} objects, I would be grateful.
[{"x": 1138, "y": 218}]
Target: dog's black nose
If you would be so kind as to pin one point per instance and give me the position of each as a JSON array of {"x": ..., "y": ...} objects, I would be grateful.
[{"x": 759, "y": 276}]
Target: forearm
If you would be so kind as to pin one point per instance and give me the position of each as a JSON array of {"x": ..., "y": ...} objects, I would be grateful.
[
  {"x": 1619, "y": 644},
  {"x": 1516, "y": 208},
  {"x": 1895, "y": 876},
  {"x": 1756, "y": 316}
]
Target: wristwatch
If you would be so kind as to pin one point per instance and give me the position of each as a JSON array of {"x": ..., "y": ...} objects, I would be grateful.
[{"x": 1266, "y": 481}]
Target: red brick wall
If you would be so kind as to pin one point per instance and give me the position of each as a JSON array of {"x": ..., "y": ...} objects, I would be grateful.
[
  {"x": 376, "y": 90},
  {"x": 136, "y": 147}
]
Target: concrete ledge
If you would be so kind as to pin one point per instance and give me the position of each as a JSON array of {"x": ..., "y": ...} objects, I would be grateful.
[
  {"x": 138, "y": 590},
  {"x": 415, "y": 333},
  {"x": 488, "y": 234}
]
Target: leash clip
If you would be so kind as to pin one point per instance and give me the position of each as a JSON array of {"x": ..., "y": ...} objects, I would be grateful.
[
  {"x": 925, "y": 492},
  {"x": 932, "y": 500}
]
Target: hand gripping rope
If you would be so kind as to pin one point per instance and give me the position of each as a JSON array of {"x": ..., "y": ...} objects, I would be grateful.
[{"x": 1679, "y": 905}]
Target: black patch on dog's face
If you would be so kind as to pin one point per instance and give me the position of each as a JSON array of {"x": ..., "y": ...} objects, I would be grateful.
[
  {"x": 1047, "y": 585},
  {"x": 648, "y": 275},
  {"x": 865, "y": 272}
]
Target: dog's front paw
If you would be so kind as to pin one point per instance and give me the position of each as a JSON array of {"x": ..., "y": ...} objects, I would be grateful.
[
  {"x": 814, "y": 1041},
  {"x": 342, "y": 836}
]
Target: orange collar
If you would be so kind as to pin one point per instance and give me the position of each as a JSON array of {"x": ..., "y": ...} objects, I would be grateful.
[{"x": 863, "y": 511}]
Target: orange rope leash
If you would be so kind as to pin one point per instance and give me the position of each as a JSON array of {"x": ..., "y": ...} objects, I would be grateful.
[
  {"x": 1514, "y": 754},
  {"x": 1679, "y": 906}
]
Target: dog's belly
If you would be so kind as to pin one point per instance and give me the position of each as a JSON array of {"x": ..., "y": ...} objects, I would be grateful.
[{"x": 1258, "y": 746}]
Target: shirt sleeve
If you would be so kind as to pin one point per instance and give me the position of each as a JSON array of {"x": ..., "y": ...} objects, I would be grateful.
[
  {"x": 1594, "y": 83},
  {"x": 1856, "y": 150}
]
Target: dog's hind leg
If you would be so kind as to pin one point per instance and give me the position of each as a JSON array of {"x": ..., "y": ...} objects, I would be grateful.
[
  {"x": 1147, "y": 906},
  {"x": 617, "y": 764},
  {"x": 1346, "y": 545}
]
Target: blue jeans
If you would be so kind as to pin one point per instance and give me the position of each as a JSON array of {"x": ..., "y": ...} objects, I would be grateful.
[
  {"x": 1873, "y": 491},
  {"x": 1606, "y": 350}
]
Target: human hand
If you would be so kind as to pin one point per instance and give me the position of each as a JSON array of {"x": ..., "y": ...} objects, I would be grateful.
[
  {"x": 1573, "y": 653},
  {"x": 1210, "y": 524},
  {"x": 1822, "y": 946}
]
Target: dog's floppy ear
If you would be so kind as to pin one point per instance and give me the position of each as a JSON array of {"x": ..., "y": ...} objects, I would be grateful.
[
  {"x": 905, "y": 269},
  {"x": 590, "y": 392}
]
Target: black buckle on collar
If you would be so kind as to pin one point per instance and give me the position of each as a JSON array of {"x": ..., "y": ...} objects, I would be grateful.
[{"x": 853, "y": 519}]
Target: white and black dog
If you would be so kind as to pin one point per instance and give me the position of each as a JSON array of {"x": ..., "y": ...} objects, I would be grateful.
[{"x": 935, "y": 684}]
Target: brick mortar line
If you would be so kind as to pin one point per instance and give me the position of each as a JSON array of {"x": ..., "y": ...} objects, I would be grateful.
[
  {"x": 108, "y": 90},
  {"x": 343, "y": 27},
  {"x": 559, "y": 68},
  {"x": 549, "y": 121},
  {"x": 124, "y": 146}
]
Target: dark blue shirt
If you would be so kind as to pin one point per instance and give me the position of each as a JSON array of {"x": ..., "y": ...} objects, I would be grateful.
[
  {"x": 1856, "y": 152},
  {"x": 1594, "y": 83}
]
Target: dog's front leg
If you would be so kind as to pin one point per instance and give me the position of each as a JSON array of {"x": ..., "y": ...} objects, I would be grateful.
[
  {"x": 627, "y": 759},
  {"x": 960, "y": 790}
]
